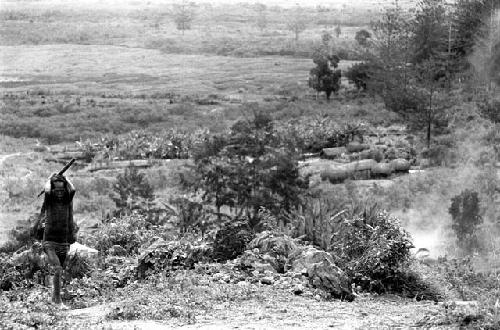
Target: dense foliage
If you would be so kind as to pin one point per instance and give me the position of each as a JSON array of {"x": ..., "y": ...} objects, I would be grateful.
[
  {"x": 131, "y": 190},
  {"x": 250, "y": 169},
  {"x": 373, "y": 248},
  {"x": 323, "y": 78},
  {"x": 360, "y": 75}
]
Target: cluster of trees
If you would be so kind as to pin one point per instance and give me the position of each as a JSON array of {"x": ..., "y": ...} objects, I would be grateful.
[
  {"x": 413, "y": 58},
  {"x": 249, "y": 169}
]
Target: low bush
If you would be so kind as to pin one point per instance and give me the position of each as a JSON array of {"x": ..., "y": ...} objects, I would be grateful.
[
  {"x": 359, "y": 74},
  {"x": 404, "y": 102},
  {"x": 484, "y": 288},
  {"x": 129, "y": 232},
  {"x": 18, "y": 238},
  {"x": 166, "y": 257},
  {"x": 77, "y": 266},
  {"x": 372, "y": 248},
  {"x": 231, "y": 240},
  {"x": 10, "y": 277},
  {"x": 491, "y": 110},
  {"x": 131, "y": 190}
]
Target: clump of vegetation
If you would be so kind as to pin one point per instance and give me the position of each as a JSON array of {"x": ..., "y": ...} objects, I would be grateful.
[
  {"x": 322, "y": 78},
  {"x": 132, "y": 191},
  {"x": 465, "y": 213},
  {"x": 17, "y": 239},
  {"x": 231, "y": 240},
  {"x": 373, "y": 248},
  {"x": 360, "y": 75},
  {"x": 77, "y": 266},
  {"x": 129, "y": 232},
  {"x": 167, "y": 257},
  {"x": 250, "y": 169},
  {"x": 490, "y": 109}
]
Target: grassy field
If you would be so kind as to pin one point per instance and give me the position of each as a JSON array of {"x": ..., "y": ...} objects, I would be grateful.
[
  {"x": 67, "y": 92},
  {"x": 100, "y": 69},
  {"x": 227, "y": 29}
]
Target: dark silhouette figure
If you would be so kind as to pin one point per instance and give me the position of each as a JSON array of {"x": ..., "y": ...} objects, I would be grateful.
[{"x": 60, "y": 229}]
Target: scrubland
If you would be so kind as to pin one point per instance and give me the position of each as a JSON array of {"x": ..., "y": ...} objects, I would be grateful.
[{"x": 110, "y": 86}]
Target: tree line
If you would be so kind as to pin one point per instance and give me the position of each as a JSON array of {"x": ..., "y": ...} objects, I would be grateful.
[{"x": 414, "y": 58}]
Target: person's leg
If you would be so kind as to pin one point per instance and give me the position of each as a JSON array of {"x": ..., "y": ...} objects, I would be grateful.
[
  {"x": 62, "y": 254},
  {"x": 54, "y": 262}
]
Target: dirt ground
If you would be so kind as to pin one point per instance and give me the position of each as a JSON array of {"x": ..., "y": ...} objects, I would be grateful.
[{"x": 286, "y": 311}]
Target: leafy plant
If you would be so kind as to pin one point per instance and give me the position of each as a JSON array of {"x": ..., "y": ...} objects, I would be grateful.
[
  {"x": 131, "y": 188},
  {"x": 372, "y": 247},
  {"x": 129, "y": 232},
  {"x": 231, "y": 240},
  {"x": 77, "y": 266},
  {"x": 18, "y": 238},
  {"x": 167, "y": 257}
]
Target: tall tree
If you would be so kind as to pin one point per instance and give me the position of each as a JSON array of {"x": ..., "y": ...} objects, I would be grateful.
[
  {"x": 430, "y": 31},
  {"x": 392, "y": 49},
  {"x": 430, "y": 81}
]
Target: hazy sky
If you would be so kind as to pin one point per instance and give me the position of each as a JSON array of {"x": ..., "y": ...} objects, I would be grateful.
[{"x": 126, "y": 3}]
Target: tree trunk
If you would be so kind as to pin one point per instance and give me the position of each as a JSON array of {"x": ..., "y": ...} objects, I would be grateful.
[{"x": 429, "y": 120}]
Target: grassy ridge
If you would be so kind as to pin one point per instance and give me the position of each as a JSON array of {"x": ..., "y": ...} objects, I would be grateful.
[
  {"x": 67, "y": 92},
  {"x": 222, "y": 30}
]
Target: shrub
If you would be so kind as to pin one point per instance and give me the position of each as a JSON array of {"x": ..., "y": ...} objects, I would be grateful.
[
  {"x": 465, "y": 213},
  {"x": 404, "y": 102},
  {"x": 231, "y": 240},
  {"x": 315, "y": 221},
  {"x": 77, "y": 266},
  {"x": 163, "y": 256},
  {"x": 18, "y": 238},
  {"x": 373, "y": 249},
  {"x": 362, "y": 37},
  {"x": 359, "y": 74},
  {"x": 491, "y": 110},
  {"x": 194, "y": 215},
  {"x": 129, "y": 232},
  {"x": 131, "y": 188},
  {"x": 10, "y": 277}
]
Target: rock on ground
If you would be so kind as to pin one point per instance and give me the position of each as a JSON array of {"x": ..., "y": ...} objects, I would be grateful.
[{"x": 322, "y": 271}]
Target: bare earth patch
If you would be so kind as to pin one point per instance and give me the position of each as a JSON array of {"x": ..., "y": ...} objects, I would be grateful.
[{"x": 282, "y": 310}]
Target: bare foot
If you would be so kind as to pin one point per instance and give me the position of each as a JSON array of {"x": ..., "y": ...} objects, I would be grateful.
[{"x": 63, "y": 307}]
